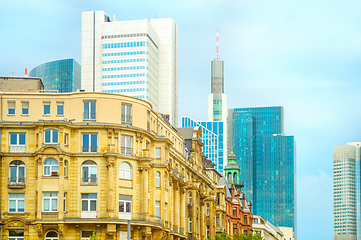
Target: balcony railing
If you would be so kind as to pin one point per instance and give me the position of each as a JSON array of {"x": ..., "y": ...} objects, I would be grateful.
[
  {"x": 89, "y": 181},
  {"x": 89, "y": 115},
  {"x": 126, "y": 150},
  {"x": 16, "y": 182},
  {"x": 49, "y": 215},
  {"x": 181, "y": 231},
  {"x": 126, "y": 118},
  {"x": 17, "y": 148},
  {"x": 91, "y": 149}
]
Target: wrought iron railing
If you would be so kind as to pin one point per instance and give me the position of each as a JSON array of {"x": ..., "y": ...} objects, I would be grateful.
[
  {"x": 126, "y": 118},
  {"x": 89, "y": 181},
  {"x": 16, "y": 181},
  {"x": 17, "y": 148},
  {"x": 89, "y": 115},
  {"x": 91, "y": 149},
  {"x": 126, "y": 150}
]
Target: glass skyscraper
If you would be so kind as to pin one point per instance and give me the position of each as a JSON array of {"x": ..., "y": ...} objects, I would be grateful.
[
  {"x": 266, "y": 158},
  {"x": 346, "y": 191},
  {"x": 213, "y": 139},
  {"x": 62, "y": 75}
]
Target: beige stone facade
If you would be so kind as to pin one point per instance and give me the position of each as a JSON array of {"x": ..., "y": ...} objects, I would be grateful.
[{"x": 76, "y": 163}]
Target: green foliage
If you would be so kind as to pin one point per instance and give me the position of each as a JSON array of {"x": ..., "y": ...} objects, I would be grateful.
[
  {"x": 93, "y": 237},
  {"x": 250, "y": 236},
  {"x": 222, "y": 236}
]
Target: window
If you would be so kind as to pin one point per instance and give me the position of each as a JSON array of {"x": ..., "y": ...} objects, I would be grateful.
[
  {"x": 190, "y": 199},
  {"x": 17, "y": 173},
  {"x": 51, "y": 136},
  {"x": 11, "y": 107},
  {"x": 65, "y": 168},
  {"x": 165, "y": 211},
  {"x": 245, "y": 219},
  {"x": 157, "y": 152},
  {"x": 52, "y": 235},
  {"x": 24, "y": 108},
  {"x": 64, "y": 202},
  {"x": 126, "y": 147},
  {"x": 89, "y": 173},
  {"x": 86, "y": 234},
  {"x": 207, "y": 209},
  {"x": 88, "y": 205},
  {"x": 156, "y": 213},
  {"x": 217, "y": 220},
  {"x": 17, "y": 142},
  {"x": 190, "y": 225},
  {"x": 234, "y": 212},
  {"x": 16, "y": 202},
  {"x": 46, "y": 108},
  {"x": 125, "y": 171},
  {"x": 51, "y": 167},
  {"x": 218, "y": 199},
  {"x": 157, "y": 179},
  {"x": 207, "y": 232},
  {"x": 90, "y": 142},
  {"x": 165, "y": 181},
  {"x": 126, "y": 113},
  {"x": 50, "y": 201},
  {"x": 125, "y": 207},
  {"x": 89, "y": 110},
  {"x": 66, "y": 139},
  {"x": 60, "y": 108},
  {"x": 16, "y": 234}
]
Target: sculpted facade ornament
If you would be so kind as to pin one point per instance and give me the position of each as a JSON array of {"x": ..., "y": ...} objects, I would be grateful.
[
  {"x": 16, "y": 224},
  {"x": 39, "y": 228}
]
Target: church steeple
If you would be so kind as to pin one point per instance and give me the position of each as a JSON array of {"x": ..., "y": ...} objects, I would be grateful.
[{"x": 232, "y": 171}]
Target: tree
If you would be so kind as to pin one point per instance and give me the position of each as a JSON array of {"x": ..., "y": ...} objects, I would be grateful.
[
  {"x": 250, "y": 236},
  {"x": 93, "y": 237},
  {"x": 221, "y": 236}
]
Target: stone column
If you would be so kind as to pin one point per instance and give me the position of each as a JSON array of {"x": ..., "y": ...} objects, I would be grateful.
[
  {"x": 61, "y": 188},
  {"x": 110, "y": 186},
  {"x": 182, "y": 210},
  {"x": 39, "y": 188}
]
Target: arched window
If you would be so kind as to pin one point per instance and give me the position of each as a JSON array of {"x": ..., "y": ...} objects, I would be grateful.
[
  {"x": 16, "y": 234},
  {"x": 89, "y": 173},
  {"x": 17, "y": 173},
  {"x": 125, "y": 171},
  {"x": 190, "y": 199},
  {"x": 51, "y": 136},
  {"x": 65, "y": 168},
  {"x": 51, "y": 167},
  {"x": 229, "y": 178},
  {"x": 52, "y": 235},
  {"x": 157, "y": 179},
  {"x": 235, "y": 177},
  {"x": 207, "y": 209}
]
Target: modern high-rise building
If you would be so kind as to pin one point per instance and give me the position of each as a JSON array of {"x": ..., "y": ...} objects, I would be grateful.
[
  {"x": 61, "y": 75},
  {"x": 212, "y": 137},
  {"x": 266, "y": 158},
  {"x": 346, "y": 191},
  {"x": 135, "y": 58}
]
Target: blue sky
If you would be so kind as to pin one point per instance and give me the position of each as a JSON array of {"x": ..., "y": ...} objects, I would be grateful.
[{"x": 304, "y": 55}]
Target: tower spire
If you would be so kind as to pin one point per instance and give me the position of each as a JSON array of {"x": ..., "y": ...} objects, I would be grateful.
[{"x": 217, "y": 45}]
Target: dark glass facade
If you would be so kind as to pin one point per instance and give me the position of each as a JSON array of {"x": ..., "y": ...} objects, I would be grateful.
[
  {"x": 266, "y": 158},
  {"x": 62, "y": 75}
]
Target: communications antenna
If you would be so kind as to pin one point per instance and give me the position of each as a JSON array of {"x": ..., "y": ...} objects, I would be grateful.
[{"x": 217, "y": 46}]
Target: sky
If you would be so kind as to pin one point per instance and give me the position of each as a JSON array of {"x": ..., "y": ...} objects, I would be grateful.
[{"x": 304, "y": 55}]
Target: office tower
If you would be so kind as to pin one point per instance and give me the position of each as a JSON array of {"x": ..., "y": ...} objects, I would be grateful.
[
  {"x": 62, "y": 75},
  {"x": 213, "y": 138},
  {"x": 346, "y": 191},
  {"x": 266, "y": 158},
  {"x": 135, "y": 58},
  {"x": 217, "y": 100}
]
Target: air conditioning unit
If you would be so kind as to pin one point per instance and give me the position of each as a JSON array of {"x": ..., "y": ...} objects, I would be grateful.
[{"x": 54, "y": 173}]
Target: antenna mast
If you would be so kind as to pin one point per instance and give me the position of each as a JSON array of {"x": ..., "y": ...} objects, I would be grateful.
[{"x": 217, "y": 46}]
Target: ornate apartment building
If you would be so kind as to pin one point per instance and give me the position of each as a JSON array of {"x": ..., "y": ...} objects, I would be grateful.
[{"x": 77, "y": 163}]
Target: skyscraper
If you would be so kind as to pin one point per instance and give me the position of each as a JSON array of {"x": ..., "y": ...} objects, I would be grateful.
[
  {"x": 135, "y": 58},
  {"x": 62, "y": 75},
  {"x": 213, "y": 138},
  {"x": 266, "y": 158},
  {"x": 346, "y": 191}
]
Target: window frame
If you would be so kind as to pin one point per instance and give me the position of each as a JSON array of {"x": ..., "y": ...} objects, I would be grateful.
[
  {"x": 20, "y": 236},
  {"x": 157, "y": 209},
  {"x": 52, "y": 238},
  {"x": 126, "y": 113},
  {"x": 126, "y": 170},
  {"x": 46, "y": 103},
  {"x": 126, "y": 203},
  {"x": 207, "y": 209},
  {"x": 23, "y": 107},
  {"x": 124, "y": 148},
  {"x": 90, "y": 166},
  {"x": 61, "y": 105},
  {"x": 18, "y": 178},
  {"x": 12, "y": 108},
  {"x": 157, "y": 152},
  {"x": 91, "y": 105},
  {"x": 17, "y": 200},
  {"x": 51, "y": 199},
  {"x": 190, "y": 225},
  {"x": 51, "y": 136},
  {"x": 157, "y": 179},
  {"x": 89, "y": 148},
  {"x": 51, "y": 166},
  {"x": 89, "y": 203}
]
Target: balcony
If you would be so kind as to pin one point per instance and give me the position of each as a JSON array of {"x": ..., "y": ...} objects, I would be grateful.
[
  {"x": 17, "y": 148},
  {"x": 126, "y": 118},
  {"x": 89, "y": 181},
  {"x": 89, "y": 115},
  {"x": 89, "y": 149},
  {"x": 16, "y": 182},
  {"x": 126, "y": 150}
]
